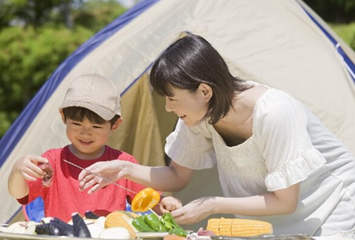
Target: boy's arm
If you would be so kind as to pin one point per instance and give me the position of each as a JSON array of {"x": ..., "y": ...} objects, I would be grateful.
[
  {"x": 24, "y": 169},
  {"x": 17, "y": 184}
]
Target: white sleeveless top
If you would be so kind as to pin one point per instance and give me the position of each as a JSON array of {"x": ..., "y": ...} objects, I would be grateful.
[{"x": 288, "y": 145}]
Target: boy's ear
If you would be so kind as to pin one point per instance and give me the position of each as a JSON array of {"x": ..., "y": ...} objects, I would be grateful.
[
  {"x": 116, "y": 124},
  {"x": 62, "y": 115}
]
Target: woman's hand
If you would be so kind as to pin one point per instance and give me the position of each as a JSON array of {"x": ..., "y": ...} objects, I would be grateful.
[
  {"x": 194, "y": 211},
  {"x": 283, "y": 201},
  {"x": 169, "y": 204},
  {"x": 110, "y": 170}
]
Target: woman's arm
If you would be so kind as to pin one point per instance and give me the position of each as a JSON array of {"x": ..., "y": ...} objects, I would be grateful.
[
  {"x": 283, "y": 201},
  {"x": 165, "y": 178}
]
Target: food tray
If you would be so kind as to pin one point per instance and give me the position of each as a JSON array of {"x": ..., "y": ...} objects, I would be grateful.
[
  {"x": 12, "y": 236},
  {"x": 266, "y": 237}
]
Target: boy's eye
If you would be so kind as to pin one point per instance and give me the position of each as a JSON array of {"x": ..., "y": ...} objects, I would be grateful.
[
  {"x": 170, "y": 99},
  {"x": 76, "y": 123},
  {"x": 97, "y": 126}
]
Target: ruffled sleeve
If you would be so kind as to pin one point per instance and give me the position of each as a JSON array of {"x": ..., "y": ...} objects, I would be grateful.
[
  {"x": 191, "y": 147},
  {"x": 280, "y": 130}
]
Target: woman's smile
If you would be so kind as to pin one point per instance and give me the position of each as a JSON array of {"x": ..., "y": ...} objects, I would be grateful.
[{"x": 181, "y": 116}]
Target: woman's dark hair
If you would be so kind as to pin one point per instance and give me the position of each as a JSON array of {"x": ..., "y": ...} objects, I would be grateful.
[
  {"x": 190, "y": 61},
  {"x": 78, "y": 114}
]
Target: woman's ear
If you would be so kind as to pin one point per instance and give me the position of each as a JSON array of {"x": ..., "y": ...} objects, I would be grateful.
[
  {"x": 62, "y": 115},
  {"x": 116, "y": 124},
  {"x": 206, "y": 91}
]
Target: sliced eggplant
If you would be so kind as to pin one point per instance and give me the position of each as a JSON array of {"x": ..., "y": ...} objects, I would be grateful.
[
  {"x": 91, "y": 215},
  {"x": 65, "y": 228},
  {"x": 80, "y": 227},
  {"x": 51, "y": 228}
]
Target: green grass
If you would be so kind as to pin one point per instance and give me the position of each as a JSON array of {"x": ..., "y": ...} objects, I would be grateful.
[{"x": 345, "y": 32}]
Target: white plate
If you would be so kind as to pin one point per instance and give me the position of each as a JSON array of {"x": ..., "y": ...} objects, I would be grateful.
[
  {"x": 9, "y": 236},
  {"x": 17, "y": 236},
  {"x": 151, "y": 234}
]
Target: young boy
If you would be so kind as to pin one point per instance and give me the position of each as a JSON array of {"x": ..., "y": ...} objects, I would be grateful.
[{"x": 91, "y": 111}]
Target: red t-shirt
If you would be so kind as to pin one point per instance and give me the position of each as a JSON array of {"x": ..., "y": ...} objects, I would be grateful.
[{"x": 63, "y": 197}]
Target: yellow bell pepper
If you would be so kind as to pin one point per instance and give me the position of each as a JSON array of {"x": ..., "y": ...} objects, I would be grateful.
[{"x": 145, "y": 199}]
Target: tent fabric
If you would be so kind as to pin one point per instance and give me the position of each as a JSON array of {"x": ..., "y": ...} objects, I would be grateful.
[
  {"x": 272, "y": 41},
  {"x": 336, "y": 43}
]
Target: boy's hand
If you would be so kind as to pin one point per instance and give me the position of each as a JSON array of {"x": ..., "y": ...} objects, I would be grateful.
[
  {"x": 28, "y": 167},
  {"x": 168, "y": 204}
]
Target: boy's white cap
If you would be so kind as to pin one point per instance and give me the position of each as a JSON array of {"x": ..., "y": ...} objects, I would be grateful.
[{"x": 94, "y": 92}]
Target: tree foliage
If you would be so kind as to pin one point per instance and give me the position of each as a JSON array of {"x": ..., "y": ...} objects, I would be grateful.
[
  {"x": 34, "y": 43},
  {"x": 27, "y": 58},
  {"x": 339, "y": 14},
  {"x": 94, "y": 15},
  {"x": 33, "y": 13},
  {"x": 334, "y": 11}
]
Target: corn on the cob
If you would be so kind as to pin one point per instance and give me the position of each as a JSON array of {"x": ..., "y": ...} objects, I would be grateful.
[{"x": 238, "y": 227}]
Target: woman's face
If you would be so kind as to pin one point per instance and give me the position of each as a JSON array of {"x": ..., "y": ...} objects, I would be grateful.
[{"x": 190, "y": 107}]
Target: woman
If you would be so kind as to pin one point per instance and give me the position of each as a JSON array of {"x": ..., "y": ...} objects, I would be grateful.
[{"x": 276, "y": 161}]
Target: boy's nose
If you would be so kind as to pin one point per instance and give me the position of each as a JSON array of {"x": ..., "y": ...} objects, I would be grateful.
[{"x": 85, "y": 130}]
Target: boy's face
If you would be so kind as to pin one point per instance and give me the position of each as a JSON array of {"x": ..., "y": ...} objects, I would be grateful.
[{"x": 88, "y": 139}]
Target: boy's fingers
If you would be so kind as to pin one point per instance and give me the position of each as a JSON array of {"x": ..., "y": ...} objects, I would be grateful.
[
  {"x": 38, "y": 171},
  {"x": 43, "y": 160},
  {"x": 33, "y": 170},
  {"x": 29, "y": 177},
  {"x": 37, "y": 159},
  {"x": 34, "y": 164}
]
